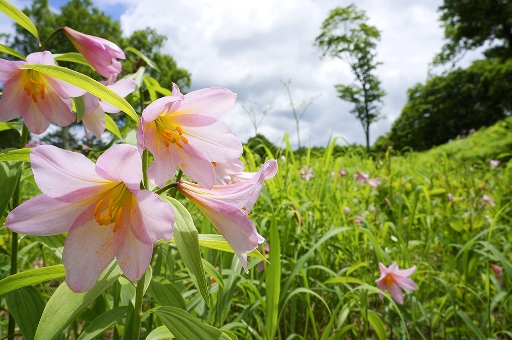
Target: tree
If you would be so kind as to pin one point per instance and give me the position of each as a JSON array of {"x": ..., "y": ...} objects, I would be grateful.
[
  {"x": 452, "y": 105},
  {"x": 469, "y": 24},
  {"x": 346, "y": 35}
]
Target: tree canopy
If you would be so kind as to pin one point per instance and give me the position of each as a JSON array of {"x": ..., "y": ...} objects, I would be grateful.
[
  {"x": 345, "y": 34},
  {"x": 469, "y": 24},
  {"x": 451, "y": 105}
]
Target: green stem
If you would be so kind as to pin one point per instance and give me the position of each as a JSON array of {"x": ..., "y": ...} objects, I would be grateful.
[
  {"x": 16, "y": 200},
  {"x": 145, "y": 181},
  {"x": 47, "y": 40},
  {"x": 139, "y": 294},
  {"x": 165, "y": 188}
]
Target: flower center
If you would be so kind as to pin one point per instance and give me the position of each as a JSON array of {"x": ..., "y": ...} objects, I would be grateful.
[
  {"x": 34, "y": 86},
  {"x": 171, "y": 133},
  {"x": 109, "y": 208},
  {"x": 389, "y": 280}
]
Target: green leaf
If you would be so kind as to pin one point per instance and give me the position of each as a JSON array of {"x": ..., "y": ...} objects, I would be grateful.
[
  {"x": 26, "y": 306},
  {"x": 65, "y": 305},
  {"x": 377, "y": 324},
  {"x": 102, "y": 322},
  {"x": 79, "y": 107},
  {"x": 471, "y": 325},
  {"x": 273, "y": 283},
  {"x": 165, "y": 293},
  {"x": 20, "y": 155},
  {"x": 184, "y": 326},
  {"x": 160, "y": 333},
  {"x": 20, "y": 18},
  {"x": 112, "y": 126},
  {"x": 344, "y": 279},
  {"x": 143, "y": 57},
  {"x": 10, "y": 51},
  {"x": 72, "y": 57},
  {"x": 54, "y": 242},
  {"x": 11, "y": 125},
  {"x": 9, "y": 174},
  {"x": 186, "y": 236},
  {"x": 86, "y": 83},
  {"x": 210, "y": 270},
  {"x": 218, "y": 242},
  {"x": 30, "y": 277}
]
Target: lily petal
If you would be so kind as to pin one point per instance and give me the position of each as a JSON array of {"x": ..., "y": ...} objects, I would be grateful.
[
  {"x": 134, "y": 256},
  {"x": 122, "y": 163}
]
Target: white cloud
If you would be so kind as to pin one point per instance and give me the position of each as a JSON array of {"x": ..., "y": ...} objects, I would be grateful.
[{"x": 249, "y": 46}]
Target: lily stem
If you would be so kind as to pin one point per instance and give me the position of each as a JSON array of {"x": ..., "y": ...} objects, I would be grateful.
[
  {"x": 16, "y": 200},
  {"x": 139, "y": 295}
]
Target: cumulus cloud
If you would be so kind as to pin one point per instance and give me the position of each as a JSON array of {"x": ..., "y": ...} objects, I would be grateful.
[{"x": 250, "y": 47}]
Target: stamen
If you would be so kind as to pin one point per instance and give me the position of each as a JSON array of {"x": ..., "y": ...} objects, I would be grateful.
[
  {"x": 118, "y": 219},
  {"x": 179, "y": 129},
  {"x": 110, "y": 208},
  {"x": 214, "y": 163},
  {"x": 97, "y": 212},
  {"x": 179, "y": 144},
  {"x": 184, "y": 139}
]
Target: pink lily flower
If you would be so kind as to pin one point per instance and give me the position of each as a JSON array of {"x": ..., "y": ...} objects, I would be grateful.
[
  {"x": 231, "y": 172},
  {"x": 95, "y": 108},
  {"x": 306, "y": 173},
  {"x": 494, "y": 163},
  {"x": 185, "y": 131},
  {"x": 228, "y": 207},
  {"x": 489, "y": 200},
  {"x": 362, "y": 177},
  {"x": 101, "y": 207},
  {"x": 101, "y": 53},
  {"x": 37, "y": 97},
  {"x": 498, "y": 271},
  {"x": 393, "y": 279}
]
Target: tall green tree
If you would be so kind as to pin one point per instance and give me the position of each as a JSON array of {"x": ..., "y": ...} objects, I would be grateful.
[
  {"x": 452, "y": 105},
  {"x": 346, "y": 35},
  {"x": 469, "y": 24}
]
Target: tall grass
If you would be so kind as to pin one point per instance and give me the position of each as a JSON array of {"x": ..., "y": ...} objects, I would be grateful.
[{"x": 326, "y": 236}]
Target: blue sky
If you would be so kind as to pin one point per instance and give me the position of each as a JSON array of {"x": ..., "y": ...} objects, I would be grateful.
[{"x": 250, "y": 47}]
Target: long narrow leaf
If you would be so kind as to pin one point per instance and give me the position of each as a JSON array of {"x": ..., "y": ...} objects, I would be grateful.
[
  {"x": 10, "y": 51},
  {"x": 20, "y": 18},
  {"x": 65, "y": 305},
  {"x": 273, "y": 283},
  {"x": 88, "y": 84},
  {"x": 31, "y": 277},
  {"x": 20, "y": 155}
]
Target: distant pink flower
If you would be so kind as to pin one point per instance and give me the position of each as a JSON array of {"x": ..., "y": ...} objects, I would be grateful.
[
  {"x": 498, "y": 271},
  {"x": 228, "y": 208},
  {"x": 489, "y": 200},
  {"x": 494, "y": 163},
  {"x": 101, "y": 207},
  {"x": 100, "y": 53},
  {"x": 185, "y": 131},
  {"x": 342, "y": 173},
  {"x": 95, "y": 108},
  {"x": 306, "y": 173},
  {"x": 346, "y": 211},
  {"x": 35, "y": 96},
  {"x": 373, "y": 182},
  {"x": 231, "y": 172},
  {"x": 394, "y": 279},
  {"x": 387, "y": 201},
  {"x": 38, "y": 263},
  {"x": 450, "y": 196},
  {"x": 362, "y": 177}
]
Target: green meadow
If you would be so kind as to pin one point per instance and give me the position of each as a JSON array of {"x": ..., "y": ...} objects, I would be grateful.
[{"x": 325, "y": 235}]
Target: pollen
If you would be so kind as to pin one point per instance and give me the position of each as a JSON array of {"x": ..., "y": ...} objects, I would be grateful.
[
  {"x": 389, "y": 280},
  {"x": 174, "y": 135},
  {"x": 34, "y": 86}
]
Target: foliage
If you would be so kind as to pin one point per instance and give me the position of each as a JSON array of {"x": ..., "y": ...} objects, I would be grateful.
[
  {"x": 472, "y": 24},
  {"x": 346, "y": 35},
  {"x": 452, "y": 105}
]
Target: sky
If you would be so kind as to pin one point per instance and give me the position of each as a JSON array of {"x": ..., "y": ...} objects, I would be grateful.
[{"x": 253, "y": 47}]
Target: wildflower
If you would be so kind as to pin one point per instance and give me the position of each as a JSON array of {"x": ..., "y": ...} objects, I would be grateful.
[
  {"x": 102, "y": 208},
  {"x": 185, "y": 131},
  {"x": 306, "y": 173},
  {"x": 494, "y": 163},
  {"x": 231, "y": 172},
  {"x": 489, "y": 200},
  {"x": 365, "y": 178},
  {"x": 387, "y": 201},
  {"x": 38, "y": 263},
  {"x": 450, "y": 196},
  {"x": 346, "y": 211},
  {"x": 393, "y": 279},
  {"x": 228, "y": 206},
  {"x": 498, "y": 271},
  {"x": 95, "y": 108},
  {"x": 342, "y": 173},
  {"x": 35, "y": 96},
  {"x": 100, "y": 53}
]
